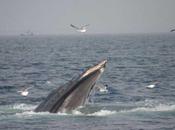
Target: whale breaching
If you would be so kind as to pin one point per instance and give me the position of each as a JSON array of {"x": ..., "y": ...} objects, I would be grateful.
[
  {"x": 80, "y": 29},
  {"x": 73, "y": 94}
]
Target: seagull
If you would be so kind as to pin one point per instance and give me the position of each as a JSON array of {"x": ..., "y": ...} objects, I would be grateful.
[
  {"x": 101, "y": 87},
  {"x": 48, "y": 82},
  {"x": 81, "y": 29},
  {"x": 24, "y": 92},
  {"x": 152, "y": 85},
  {"x": 172, "y": 30}
]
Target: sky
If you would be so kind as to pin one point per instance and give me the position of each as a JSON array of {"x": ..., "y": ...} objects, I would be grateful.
[{"x": 104, "y": 16}]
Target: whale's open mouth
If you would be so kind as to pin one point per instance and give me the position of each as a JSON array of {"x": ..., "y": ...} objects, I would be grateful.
[{"x": 74, "y": 93}]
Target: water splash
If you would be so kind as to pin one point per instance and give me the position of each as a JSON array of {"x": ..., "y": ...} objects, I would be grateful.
[
  {"x": 73, "y": 113},
  {"x": 26, "y": 110},
  {"x": 103, "y": 113},
  {"x": 23, "y": 106},
  {"x": 158, "y": 108}
]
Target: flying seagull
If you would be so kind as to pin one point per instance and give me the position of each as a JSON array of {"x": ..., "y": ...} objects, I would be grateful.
[
  {"x": 25, "y": 92},
  {"x": 172, "y": 30},
  {"x": 152, "y": 85},
  {"x": 80, "y": 29}
]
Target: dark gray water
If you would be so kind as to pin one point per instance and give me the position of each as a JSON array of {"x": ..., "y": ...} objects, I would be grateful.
[{"x": 46, "y": 62}]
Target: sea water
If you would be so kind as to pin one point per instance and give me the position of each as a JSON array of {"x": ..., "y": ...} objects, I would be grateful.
[{"x": 46, "y": 62}]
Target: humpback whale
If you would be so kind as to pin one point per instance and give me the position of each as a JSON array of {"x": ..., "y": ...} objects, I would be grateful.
[{"x": 73, "y": 94}]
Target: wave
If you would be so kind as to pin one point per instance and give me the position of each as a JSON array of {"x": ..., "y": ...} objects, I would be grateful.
[
  {"x": 103, "y": 113},
  {"x": 24, "y": 106},
  {"x": 31, "y": 113},
  {"x": 73, "y": 113},
  {"x": 158, "y": 108},
  {"x": 27, "y": 110}
]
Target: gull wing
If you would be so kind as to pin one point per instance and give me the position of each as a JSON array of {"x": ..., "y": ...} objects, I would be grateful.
[
  {"x": 74, "y": 26},
  {"x": 172, "y": 30},
  {"x": 85, "y": 25},
  {"x": 29, "y": 88}
]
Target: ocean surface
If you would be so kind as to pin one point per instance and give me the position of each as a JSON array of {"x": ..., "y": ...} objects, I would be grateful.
[{"x": 46, "y": 62}]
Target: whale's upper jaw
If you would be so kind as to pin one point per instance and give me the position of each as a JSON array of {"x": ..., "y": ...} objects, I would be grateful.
[
  {"x": 100, "y": 66},
  {"x": 80, "y": 91}
]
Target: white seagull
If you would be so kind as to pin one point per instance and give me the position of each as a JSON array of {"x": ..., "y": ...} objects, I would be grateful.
[
  {"x": 81, "y": 29},
  {"x": 101, "y": 87},
  {"x": 152, "y": 85},
  {"x": 24, "y": 92}
]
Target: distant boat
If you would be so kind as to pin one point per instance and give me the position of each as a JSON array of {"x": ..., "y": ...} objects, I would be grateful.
[
  {"x": 28, "y": 33},
  {"x": 81, "y": 29},
  {"x": 172, "y": 30}
]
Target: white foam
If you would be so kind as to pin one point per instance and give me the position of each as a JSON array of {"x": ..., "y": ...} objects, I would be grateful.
[
  {"x": 31, "y": 113},
  {"x": 76, "y": 112},
  {"x": 98, "y": 113},
  {"x": 23, "y": 106},
  {"x": 158, "y": 108},
  {"x": 63, "y": 114},
  {"x": 28, "y": 110},
  {"x": 102, "y": 113},
  {"x": 73, "y": 113}
]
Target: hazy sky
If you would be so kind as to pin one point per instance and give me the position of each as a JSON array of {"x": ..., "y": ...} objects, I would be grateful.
[{"x": 104, "y": 16}]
